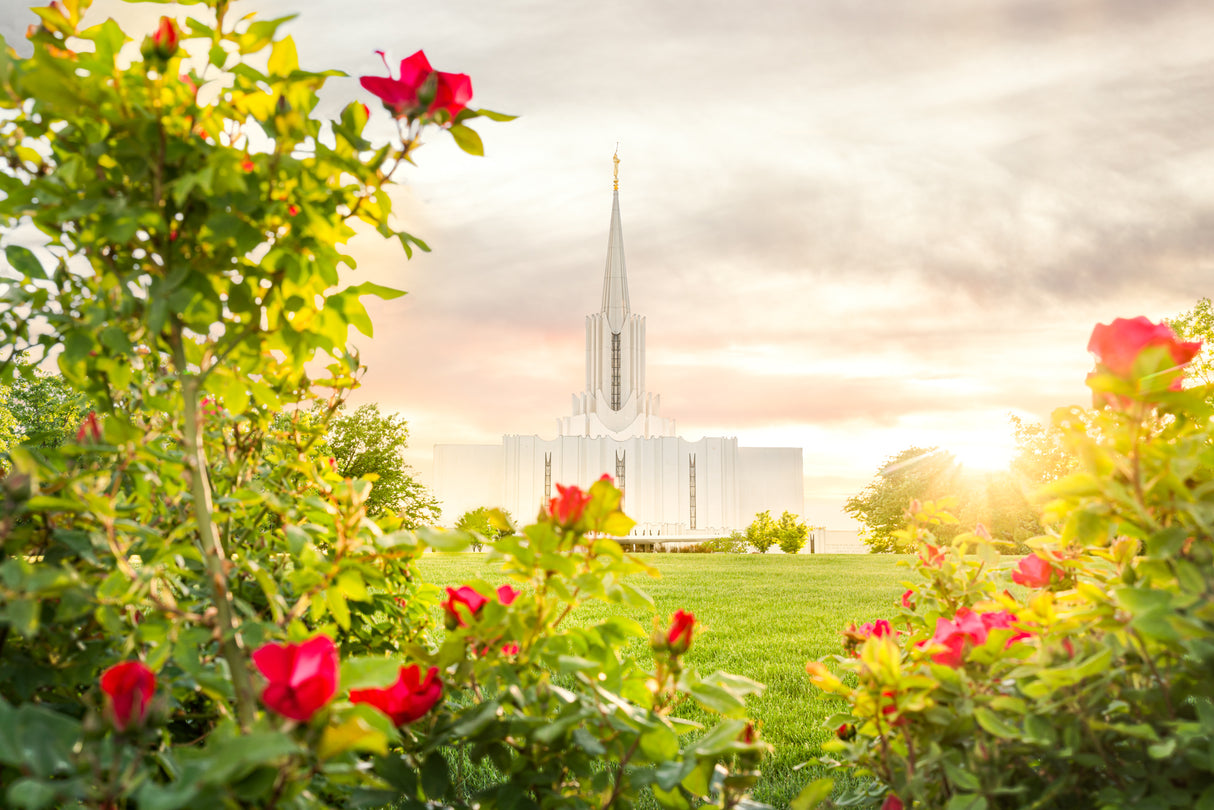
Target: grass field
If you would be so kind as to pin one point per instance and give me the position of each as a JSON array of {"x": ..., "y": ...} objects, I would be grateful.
[{"x": 759, "y": 616}]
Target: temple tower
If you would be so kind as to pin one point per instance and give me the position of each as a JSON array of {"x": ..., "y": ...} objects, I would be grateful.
[{"x": 615, "y": 403}]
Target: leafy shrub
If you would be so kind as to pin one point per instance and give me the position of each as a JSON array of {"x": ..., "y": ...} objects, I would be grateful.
[
  {"x": 1080, "y": 675},
  {"x": 198, "y": 609}
]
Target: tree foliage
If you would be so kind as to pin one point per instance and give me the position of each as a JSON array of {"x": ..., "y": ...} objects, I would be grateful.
[
  {"x": 1198, "y": 324},
  {"x": 792, "y": 533},
  {"x": 1042, "y": 454},
  {"x": 39, "y": 409},
  {"x": 368, "y": 444},
  {"x": 761, "y": 533},
  {"x": 485, "y": 525},
  {"x": 916, "y": 473}
]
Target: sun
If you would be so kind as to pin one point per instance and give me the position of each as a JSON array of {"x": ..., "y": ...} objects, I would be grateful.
[{"x": 985, "y": 454}]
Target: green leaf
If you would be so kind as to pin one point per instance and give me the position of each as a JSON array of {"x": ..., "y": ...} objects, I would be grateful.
[
  {"x": 45, "y": 738},
  {"x": 812, "y": 794},
  {"x": 338, "y": 608},
  {"x": 468, "y": 140},
  {"x": 436, "y": 779},
  {"x": 994, "y": 724},
  {"x": 24, "y": 261},
  {"x": 370, "y": 288},
  {"x": 31, "y": 794},
  {"x": 236, "y": 757},
  {"x": 368, "y": 671},
  {"x": 966, "y": 801}
]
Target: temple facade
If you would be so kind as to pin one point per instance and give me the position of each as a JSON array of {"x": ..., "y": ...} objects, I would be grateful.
[{"x": 672, "y": 486}]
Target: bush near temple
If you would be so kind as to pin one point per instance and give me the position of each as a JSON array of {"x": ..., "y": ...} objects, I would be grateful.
[
  {"x": 197, "y": 609},
  {"x": 1089, "y": 684}
]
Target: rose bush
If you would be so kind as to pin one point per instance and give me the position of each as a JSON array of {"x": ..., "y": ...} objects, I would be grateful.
[
  {"x": 1089, "y": 684},
  {"x": 196, "y": 609}
]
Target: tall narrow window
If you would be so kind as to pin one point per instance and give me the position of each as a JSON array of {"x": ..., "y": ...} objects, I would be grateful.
[
  {"x": 619, "y": 468},
  {"x": 547, "y": 477},
  {"x": 691, "y": 490},
  {"x": 615, "y": 371}
]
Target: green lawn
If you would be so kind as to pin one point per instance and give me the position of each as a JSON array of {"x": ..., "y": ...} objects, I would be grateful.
[{"x": 760, "y": 616}]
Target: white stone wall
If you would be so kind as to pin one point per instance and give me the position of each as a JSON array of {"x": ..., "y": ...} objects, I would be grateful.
[{"x": 770, "y": 478}]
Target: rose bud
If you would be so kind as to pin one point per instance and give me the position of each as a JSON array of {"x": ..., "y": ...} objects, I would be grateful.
[{"x": 128, "y": 689}]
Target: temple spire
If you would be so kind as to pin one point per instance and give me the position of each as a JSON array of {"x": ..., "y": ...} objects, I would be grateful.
[{"x": 615, "y": 276}]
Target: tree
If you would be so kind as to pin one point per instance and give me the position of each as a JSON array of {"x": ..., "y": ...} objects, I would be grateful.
[
  {"x": 39, "y": 410},
  {"x": 489, "y": 524},
  {"x": 914, "y": 474},
  {"x": 1041, "y": 455},
  {"x": 367, "y": 444},
  {"x": 1198, "y": 324},
  {"x": 761, "y": 533},
  {"x": 791, "y": 533}
]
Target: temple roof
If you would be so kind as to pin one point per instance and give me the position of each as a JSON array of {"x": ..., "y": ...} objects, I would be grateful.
[{"x": 615, "y": 275}]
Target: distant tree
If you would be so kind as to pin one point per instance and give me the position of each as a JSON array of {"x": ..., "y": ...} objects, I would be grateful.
[
  {"x": 1198, "y": 324},
  {"x": 40, "y": 409},
  {"x": 915, "y": 473},
  {"x": 761, "y": 533},
  {"x": 489, "y": 524},
  {"x": 791, "y": 533},
  {"x": 367, "y": 444},
  {"x": 1041, "y": 456}
]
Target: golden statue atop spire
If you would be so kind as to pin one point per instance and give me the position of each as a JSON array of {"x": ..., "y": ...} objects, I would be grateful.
[{"x": 616, "y": 172}]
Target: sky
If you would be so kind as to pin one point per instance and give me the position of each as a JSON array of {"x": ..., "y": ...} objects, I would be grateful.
[{"x": 853, "y": 226}]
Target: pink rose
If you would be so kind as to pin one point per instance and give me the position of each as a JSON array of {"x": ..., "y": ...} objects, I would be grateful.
[
  {"x": 969, "y": 628},
  {"x": 302, "y": 677},
  {"x": 406, "y": 700},
  {"x": 1118, "y": 344},
  {"x": 506, "y": 594},
  {"x": 1033, "y": 572},
  {"x": 452, "y": 91}
]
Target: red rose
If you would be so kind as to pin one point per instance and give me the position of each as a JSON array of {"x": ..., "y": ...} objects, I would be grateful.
[
  {"x": 406, "y": 700},
  {"x": 452, "y": 91},
  {"x": 566, "y": 509},
  {"x": 1033, "y": 572},
  {"x": 931, "y": 555},
  {"x": 128, "y": 688},
  {"x": 464, "y": 595},
  {"x": 891, "y": 708},
  {"x": 891, "y": 802},
  {"x": 162, "y": 45},
  {"x": 906, "y": 600},
  {"x": 506, "y": 594},
  {"x": 846, "y": 732},
  {"x": 302, "y": 677},
  {"x": 89, "y": 430},
  {"x": 510, "y": 649},
  {"x": 678, "y": 638},
  {"x": 1118, "y": 344}
]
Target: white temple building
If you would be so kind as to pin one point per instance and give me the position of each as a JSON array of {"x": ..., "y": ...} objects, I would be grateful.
[{"x": 672, "y": 486}]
